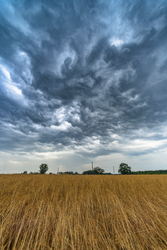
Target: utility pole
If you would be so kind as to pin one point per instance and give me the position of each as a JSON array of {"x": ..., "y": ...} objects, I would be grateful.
[
  {"x": 57, "y": 170},
  {"x": 113, "y": 170},
  {"x": 92, "y": 166}
]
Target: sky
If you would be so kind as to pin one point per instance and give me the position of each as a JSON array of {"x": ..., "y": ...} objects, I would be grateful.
[{"x": 83, "y": 81}]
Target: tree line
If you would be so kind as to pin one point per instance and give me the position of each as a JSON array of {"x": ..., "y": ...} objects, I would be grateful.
[
  {"x": 43, "y": 168},
  {"x": 124, "y": 169}
]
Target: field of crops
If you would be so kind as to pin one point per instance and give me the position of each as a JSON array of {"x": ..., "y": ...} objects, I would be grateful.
[{"x": 83, "y": 212}]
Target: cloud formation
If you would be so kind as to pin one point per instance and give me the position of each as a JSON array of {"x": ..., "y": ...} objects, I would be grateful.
[{"x": 87, "y": 76}]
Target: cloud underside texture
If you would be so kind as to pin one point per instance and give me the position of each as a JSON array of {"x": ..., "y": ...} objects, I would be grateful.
[{"x": 82, "y": 75}]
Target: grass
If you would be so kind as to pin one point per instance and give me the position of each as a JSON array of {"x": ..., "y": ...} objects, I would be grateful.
[{"x": 83, "y": 212}]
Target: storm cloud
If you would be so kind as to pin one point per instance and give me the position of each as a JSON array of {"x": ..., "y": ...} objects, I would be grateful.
[{"x": 87, "y": 76}]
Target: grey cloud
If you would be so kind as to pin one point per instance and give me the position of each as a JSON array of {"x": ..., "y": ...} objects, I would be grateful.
[{"x": 66, "y": 59}]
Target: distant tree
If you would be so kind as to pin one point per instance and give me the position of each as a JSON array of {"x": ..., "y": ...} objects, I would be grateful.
[
  {"x": 160, "y": 171},
  {"x": 124, "y": 169},
  {"x": 69, "y": 172},
  {"x": 87, "y": 172},
  {"x": 98, "y": 170},
  {"x": 25, "y": 172},
  {"x": 43, "y": 168}
]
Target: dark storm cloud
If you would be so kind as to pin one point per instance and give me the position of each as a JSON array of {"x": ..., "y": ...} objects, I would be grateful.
[{"x": 87, "y": 70}]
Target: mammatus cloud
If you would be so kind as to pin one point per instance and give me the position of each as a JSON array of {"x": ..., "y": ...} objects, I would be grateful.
[{"x": 83, "y": 76}]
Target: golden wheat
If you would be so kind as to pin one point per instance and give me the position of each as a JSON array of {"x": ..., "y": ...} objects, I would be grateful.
[{"x": 83, "y": 212}]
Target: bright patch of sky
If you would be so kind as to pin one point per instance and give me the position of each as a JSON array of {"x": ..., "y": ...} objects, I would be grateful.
[
  {"x": 116, "y": 42},
  {"x": 11, "y": 88}
]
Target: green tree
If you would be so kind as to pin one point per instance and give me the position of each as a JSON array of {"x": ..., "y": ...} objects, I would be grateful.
[
  {"x": 87, "y": 172},
  {"x": 25, "y": 172},
  {"x": 98, "y": 170},
  {"x": 124, "y": 169},
  {"x": 43, "y": 168}
]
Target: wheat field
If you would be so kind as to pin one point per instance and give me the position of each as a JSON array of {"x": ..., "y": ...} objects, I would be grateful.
[{"x": 83, "y": 212}]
